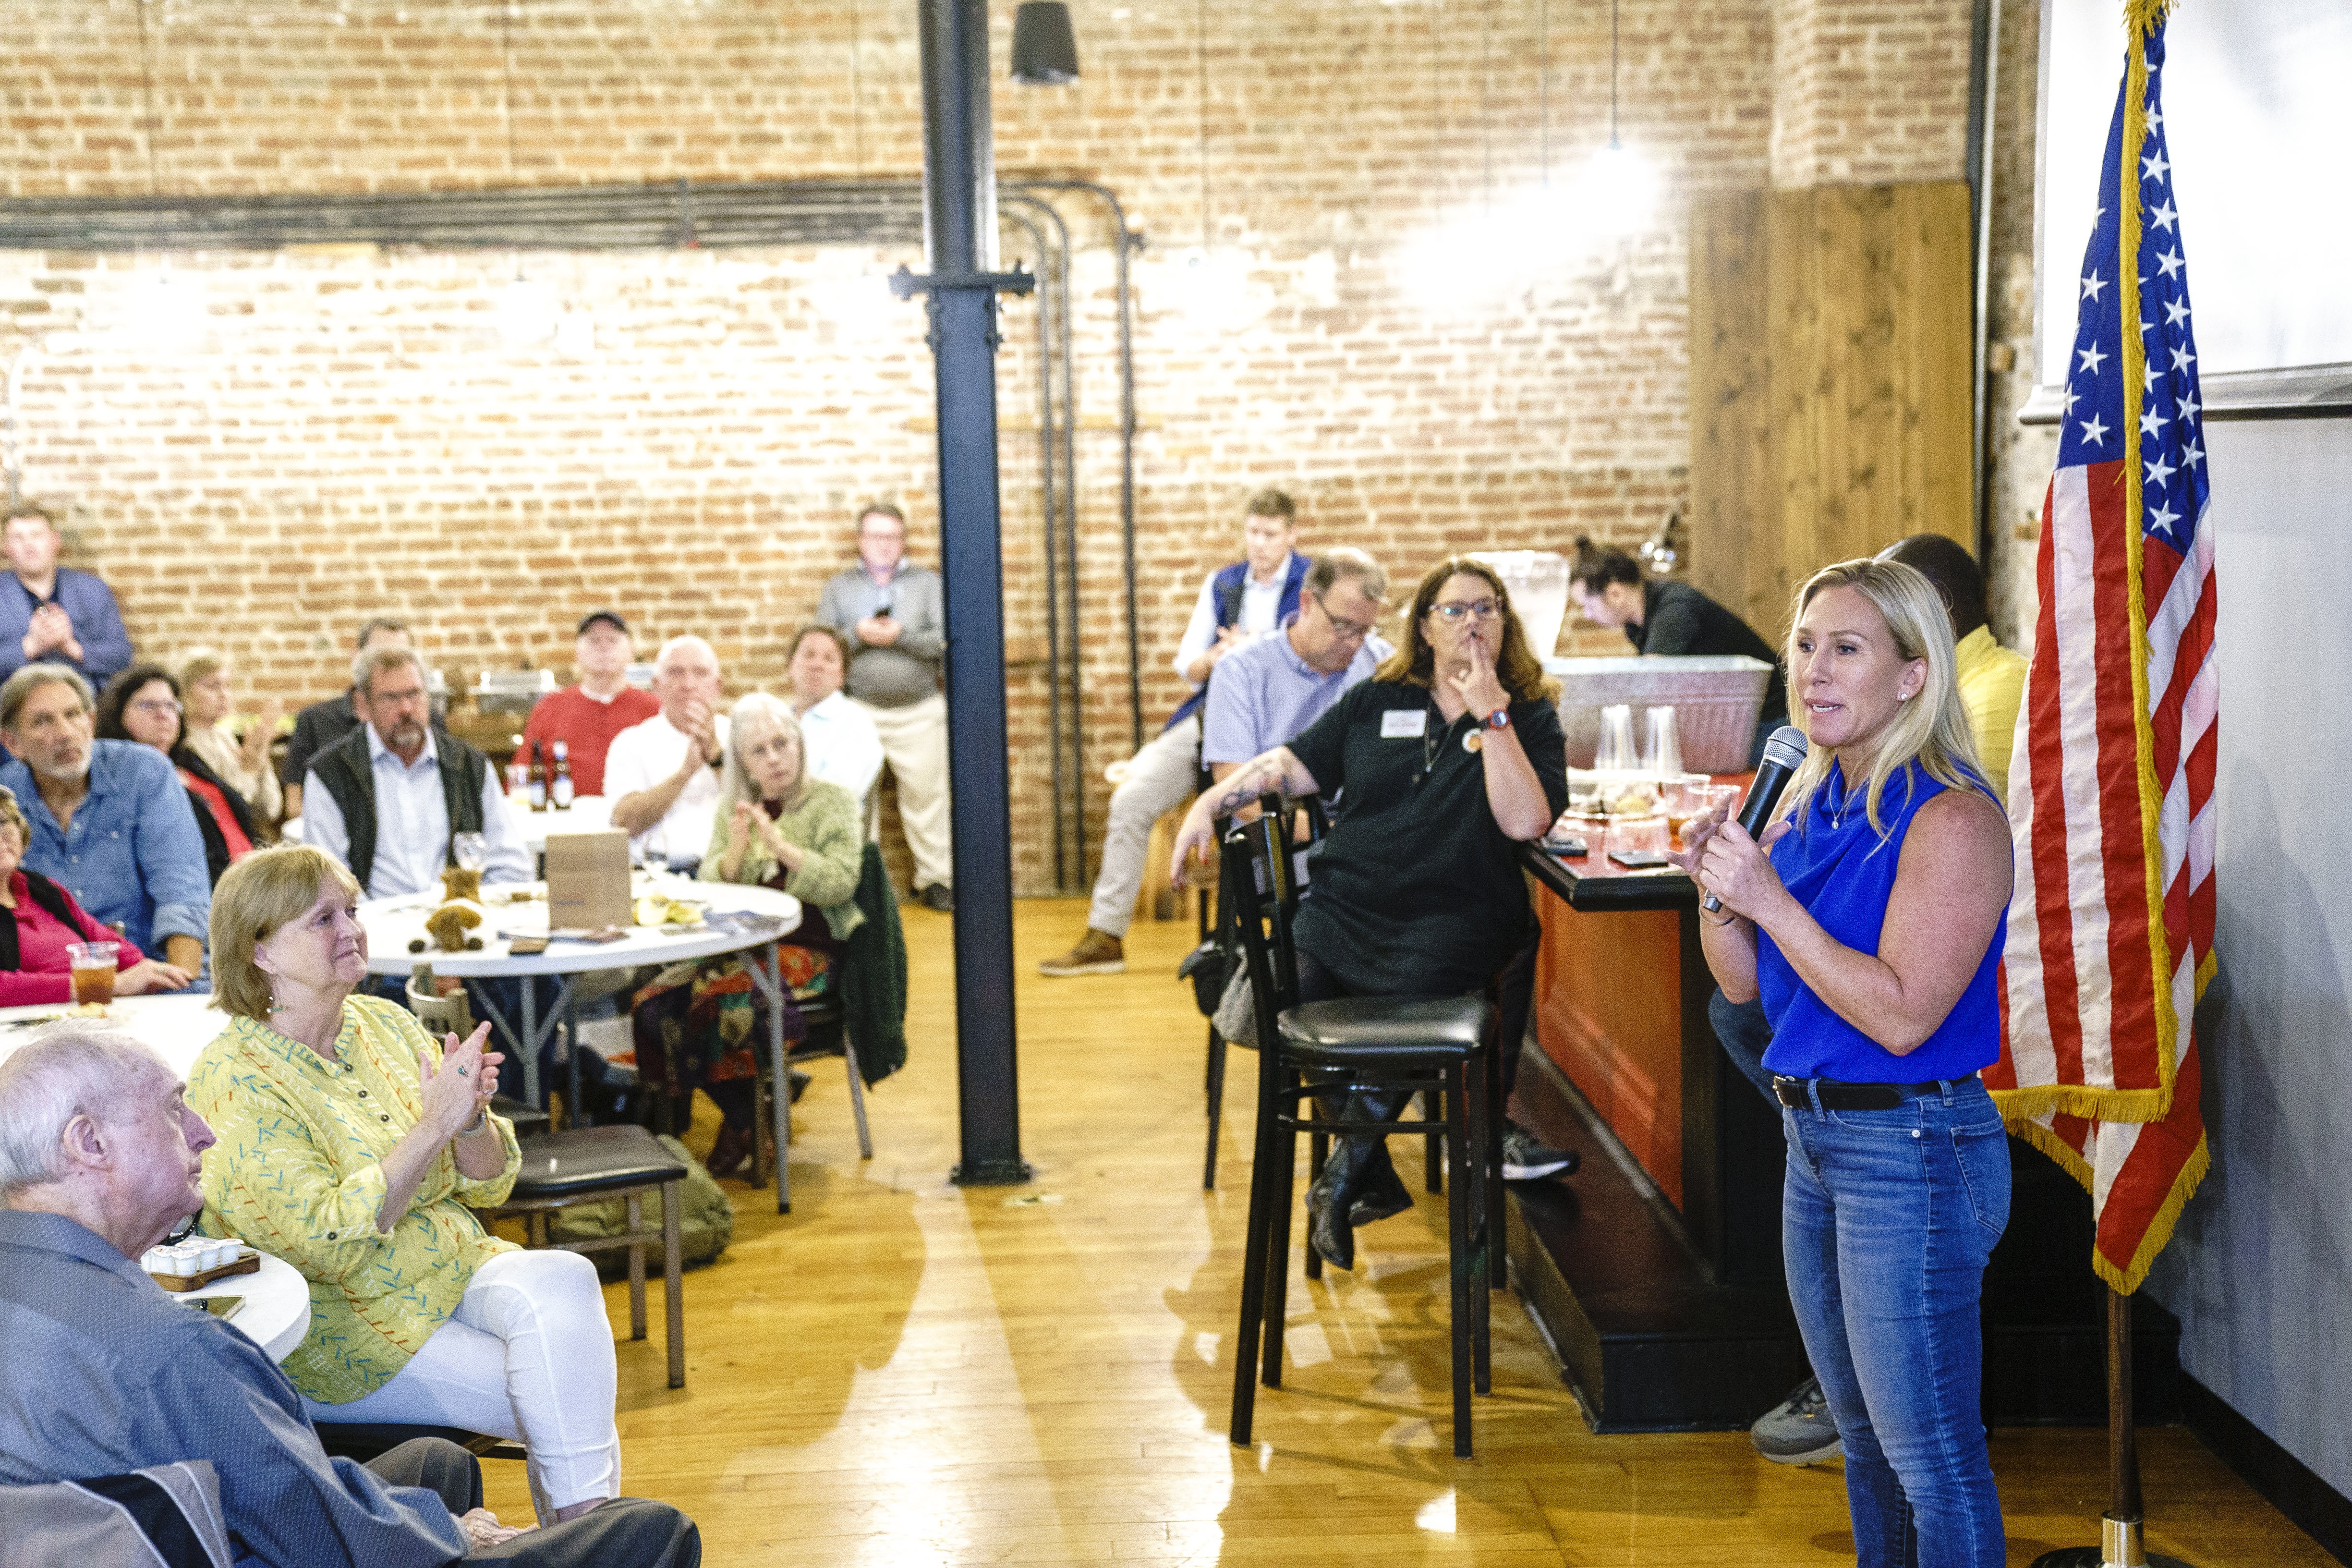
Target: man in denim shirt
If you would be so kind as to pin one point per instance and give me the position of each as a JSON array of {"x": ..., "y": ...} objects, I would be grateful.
[{"x": 110, "y": 822}]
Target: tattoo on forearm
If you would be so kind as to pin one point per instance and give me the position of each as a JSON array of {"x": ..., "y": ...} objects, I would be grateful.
[{"x": 1251, "y": 780}]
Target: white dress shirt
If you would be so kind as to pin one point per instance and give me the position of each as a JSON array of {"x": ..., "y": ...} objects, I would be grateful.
[
  {"x": 1261, "y": 609},
  {"x": 841, "y": 745},
  {"x": 412, "y": 823},
  {"x": 647, "y": 754}
]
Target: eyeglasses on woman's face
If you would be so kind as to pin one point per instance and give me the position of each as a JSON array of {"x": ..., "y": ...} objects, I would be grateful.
[{"x": 1454, "y": 612}]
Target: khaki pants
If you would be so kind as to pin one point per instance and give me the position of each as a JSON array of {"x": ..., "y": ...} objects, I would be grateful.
[
  {"x": 1158, "y": 781},
  {"x": 915, "y": 744}
]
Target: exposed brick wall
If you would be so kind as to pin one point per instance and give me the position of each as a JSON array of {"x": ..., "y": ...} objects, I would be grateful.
[
  {"x": 351, "y": 434},
  {"x": 1869, "y": 91}
]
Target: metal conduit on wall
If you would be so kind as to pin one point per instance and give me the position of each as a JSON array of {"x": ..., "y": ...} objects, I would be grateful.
[{"x": 676, "y": 214}]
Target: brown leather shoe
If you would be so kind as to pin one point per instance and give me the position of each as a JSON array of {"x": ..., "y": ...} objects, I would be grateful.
[
  {"x": 1094, "y": 955},
  {"x": 729, "y": 1150}
]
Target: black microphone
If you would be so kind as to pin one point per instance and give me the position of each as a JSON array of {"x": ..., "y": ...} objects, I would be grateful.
[{"x": 1784, "y": 753}]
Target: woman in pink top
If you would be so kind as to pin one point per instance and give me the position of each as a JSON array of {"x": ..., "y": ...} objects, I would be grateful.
[{"x": 39, "y": 919}]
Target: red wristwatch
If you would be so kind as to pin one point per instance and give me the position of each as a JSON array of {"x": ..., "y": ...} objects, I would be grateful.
[{"x": 1500, "y": 719}]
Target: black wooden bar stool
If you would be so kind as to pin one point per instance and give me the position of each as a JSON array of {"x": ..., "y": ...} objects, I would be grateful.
[{"x": 1435, "y": 1045}]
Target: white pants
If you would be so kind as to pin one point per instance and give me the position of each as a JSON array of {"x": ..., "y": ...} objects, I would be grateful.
[
  {"x": 528, "y": 1356},
  {"x": 1158, "y": 780},
  {"x": 915, "y": 744}
]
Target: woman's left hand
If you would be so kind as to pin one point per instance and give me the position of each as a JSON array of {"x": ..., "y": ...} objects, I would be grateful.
[
  {"x": 1477, "y": 687},
  {"x": 468, "y": 1075},
  {"x": 1735, "y": 867}
]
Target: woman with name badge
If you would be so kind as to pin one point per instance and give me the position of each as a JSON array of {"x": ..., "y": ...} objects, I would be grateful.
[
  {"x": 1450, "y": 756},
  {"x": 1866, "y": 918}
]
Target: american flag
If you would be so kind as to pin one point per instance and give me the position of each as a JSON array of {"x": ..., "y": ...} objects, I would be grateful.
[{"x": 2110, "y": 931}]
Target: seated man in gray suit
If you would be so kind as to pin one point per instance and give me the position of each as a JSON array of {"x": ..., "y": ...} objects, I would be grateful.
[{"x": 109, "y": 1374}]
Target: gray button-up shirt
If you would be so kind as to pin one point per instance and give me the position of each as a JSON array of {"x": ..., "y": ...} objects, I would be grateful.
[{"x": 107, "y": 1373}]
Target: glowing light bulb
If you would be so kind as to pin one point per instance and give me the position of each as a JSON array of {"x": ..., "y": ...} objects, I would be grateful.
[
  {"x": 166, "y": 313},
  {"x": 527, "y": 313}
]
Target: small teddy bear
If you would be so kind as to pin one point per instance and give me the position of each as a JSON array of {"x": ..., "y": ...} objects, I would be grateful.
[
  {"x": 457, "y": 882},
  {"x": 450, "y": 923}
]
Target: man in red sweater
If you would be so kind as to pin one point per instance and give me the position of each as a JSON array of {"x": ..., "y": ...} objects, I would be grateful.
[{"x": 586, "y": 717}]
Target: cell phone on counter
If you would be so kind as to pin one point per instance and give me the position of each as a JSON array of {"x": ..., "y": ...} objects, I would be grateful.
[
  {"x": 1638, "y": 860},
  {"x": 221, "y": 1307}
]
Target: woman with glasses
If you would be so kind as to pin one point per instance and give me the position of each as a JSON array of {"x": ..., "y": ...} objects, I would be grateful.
[
  {"x": 1450, "y": 756},
  {"x": 142, "y": 704}
]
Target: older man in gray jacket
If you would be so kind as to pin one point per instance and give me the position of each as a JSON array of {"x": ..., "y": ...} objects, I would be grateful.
[{"x": 895, "y": 616}]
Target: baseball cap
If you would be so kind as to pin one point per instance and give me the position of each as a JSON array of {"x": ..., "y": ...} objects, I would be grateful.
[{"x": 593, "y": 616}]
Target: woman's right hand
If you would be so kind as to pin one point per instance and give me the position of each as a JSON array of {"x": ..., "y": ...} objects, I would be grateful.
[
  {"x": 742, "y": 824},
  {"x": 450, "y": 1088},
  {"x": 150, "y": 974},
  {"x": 1695, "y": 833},
  {"x": 1194, "y": 839}
]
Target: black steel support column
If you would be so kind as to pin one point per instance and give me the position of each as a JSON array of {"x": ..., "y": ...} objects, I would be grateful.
[{"x": 959, "y": 221}]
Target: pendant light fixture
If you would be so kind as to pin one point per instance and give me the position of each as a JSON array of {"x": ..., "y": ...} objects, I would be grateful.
[
  {"x": 1045, "y": 50},
  {"x": 1620, "y": 188}
]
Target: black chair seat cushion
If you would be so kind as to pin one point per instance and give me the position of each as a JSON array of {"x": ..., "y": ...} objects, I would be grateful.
[
  {"x": 1371, "y": 1031},
  {"x": 589, "y": 1160},
  {"x": 365, "y": 1441}
]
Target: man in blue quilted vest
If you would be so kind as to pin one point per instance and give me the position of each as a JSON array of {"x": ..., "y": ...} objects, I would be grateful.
[{"x": 1238, "y": 604}]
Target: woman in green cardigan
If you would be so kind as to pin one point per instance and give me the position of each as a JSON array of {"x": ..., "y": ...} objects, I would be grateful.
[{"x": 700, "y": 1025}]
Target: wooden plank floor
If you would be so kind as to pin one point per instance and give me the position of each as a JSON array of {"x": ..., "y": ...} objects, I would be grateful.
[{"x": 902, "y": 1372}]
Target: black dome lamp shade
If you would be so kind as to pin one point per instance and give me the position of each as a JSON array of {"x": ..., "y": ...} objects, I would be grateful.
[{"x": 1044, "y": 51}]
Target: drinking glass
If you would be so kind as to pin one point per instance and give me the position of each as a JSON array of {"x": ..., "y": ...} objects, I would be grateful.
[
  {"x": 1662, "y": 751},
  {"x": 93, "y": 972},
  {"x": 1637, "y": 836},
  {"x": 1616, "y": 754},
  {"x": 469, "y": 851}
]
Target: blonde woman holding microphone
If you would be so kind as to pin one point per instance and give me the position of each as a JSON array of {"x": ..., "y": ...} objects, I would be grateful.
[{"x": 1865, "y": 918}]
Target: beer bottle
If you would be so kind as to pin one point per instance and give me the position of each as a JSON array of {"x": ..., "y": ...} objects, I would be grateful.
[
  {"x": 518, "y": 772},
  {"x": 538, "y": 777},
  {"x": 559, "y": 787}
]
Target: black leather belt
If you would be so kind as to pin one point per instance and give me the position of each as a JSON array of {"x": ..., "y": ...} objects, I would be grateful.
[{"x": 1798, "y": 1093}]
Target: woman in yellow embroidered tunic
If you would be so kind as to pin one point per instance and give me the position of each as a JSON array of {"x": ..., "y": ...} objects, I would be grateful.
[{"x": 350, "y": 1145}]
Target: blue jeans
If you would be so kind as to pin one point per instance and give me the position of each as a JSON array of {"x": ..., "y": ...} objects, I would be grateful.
[{"x": 1888, "y": 1217}]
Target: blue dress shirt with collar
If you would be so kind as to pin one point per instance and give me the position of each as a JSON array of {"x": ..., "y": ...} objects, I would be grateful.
[
  {"x": 1265, "y": 695},
  {"x": 109, "y": 1374},
  {"x": 87, "y": 603},
  {"x": 412, "y": 823},
  {"x": 133, "y": 853}
]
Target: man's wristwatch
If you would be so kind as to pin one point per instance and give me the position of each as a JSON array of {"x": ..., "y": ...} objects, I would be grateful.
[{"x": 1500, "y": 719}]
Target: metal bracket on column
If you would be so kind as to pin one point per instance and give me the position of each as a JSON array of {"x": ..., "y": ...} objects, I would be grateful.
[{"x": 907, "y": 285}]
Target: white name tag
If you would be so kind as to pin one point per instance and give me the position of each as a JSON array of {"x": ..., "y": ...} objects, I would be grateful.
[{"x": 1406, "y": 723}]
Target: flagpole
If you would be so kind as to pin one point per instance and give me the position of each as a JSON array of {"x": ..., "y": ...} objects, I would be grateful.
[{"x": 2119, "y": 1529}]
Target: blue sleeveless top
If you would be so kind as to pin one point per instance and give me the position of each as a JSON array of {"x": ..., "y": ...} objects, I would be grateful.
[{"x": 1843, "y": 872}]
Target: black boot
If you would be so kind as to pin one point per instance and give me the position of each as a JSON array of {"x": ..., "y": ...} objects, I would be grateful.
[
  {"x": 1382, "y": 1192},
  {"x": 1329, "y": 1211}
]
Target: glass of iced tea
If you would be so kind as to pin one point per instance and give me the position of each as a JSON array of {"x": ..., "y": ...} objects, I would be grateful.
[{"x": 93, "y": 972}]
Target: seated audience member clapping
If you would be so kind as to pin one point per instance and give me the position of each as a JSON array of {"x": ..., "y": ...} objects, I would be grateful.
[
  {"x": 1450, "y": 756},
  {"x": 662, "y": 775},
  {"x": 141, "y": 705},
  {"x": 844, "y": 748},
  {"x": 110, "y": 821},
  {"x": 777, "y": 827},
  {"x": 101, "y": 1162},
  {"x": 355, "y": 1146},
  {"x": 206, "y": 677},
  {"x": 40, "y": 919}
]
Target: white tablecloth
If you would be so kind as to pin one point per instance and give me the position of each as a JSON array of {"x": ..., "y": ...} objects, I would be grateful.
[{"x": 393, "y": 923}]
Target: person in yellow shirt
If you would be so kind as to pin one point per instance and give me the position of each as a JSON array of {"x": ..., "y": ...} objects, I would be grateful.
[
  {"x": 1992, "y": 678},
  {"x": 355, "y": 1147}
]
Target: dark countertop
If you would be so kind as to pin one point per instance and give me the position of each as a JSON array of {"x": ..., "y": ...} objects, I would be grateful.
[{"x": 1595, "y": 883}]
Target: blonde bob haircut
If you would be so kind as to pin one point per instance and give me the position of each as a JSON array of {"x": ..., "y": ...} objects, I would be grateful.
[
  {"x": 198, "y": 663},
  {"x": 253, "y": 899},
  {"x": 1931, "y": 730},
  {"x": 1517, "y": 667},
  {"x": 13, "y": 816}
]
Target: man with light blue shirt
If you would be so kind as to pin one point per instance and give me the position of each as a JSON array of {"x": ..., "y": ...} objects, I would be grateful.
[
  {"x": 1273, "y": 689},
  {"x": 110, "y": 823},
  {"x": 386, "y": 799}
]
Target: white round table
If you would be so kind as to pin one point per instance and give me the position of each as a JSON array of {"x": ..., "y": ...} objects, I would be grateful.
[
  {"x": 277, "y": 1310},
  {"x": 393, "y": 923},
  {"x": 177, "y": 1024}
]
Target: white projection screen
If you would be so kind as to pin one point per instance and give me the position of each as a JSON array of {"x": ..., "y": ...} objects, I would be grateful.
[{"x": 2255, "y": 99}]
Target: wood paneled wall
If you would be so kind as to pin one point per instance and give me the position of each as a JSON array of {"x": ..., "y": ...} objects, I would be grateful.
[{"x": 1830, "y": 365}]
